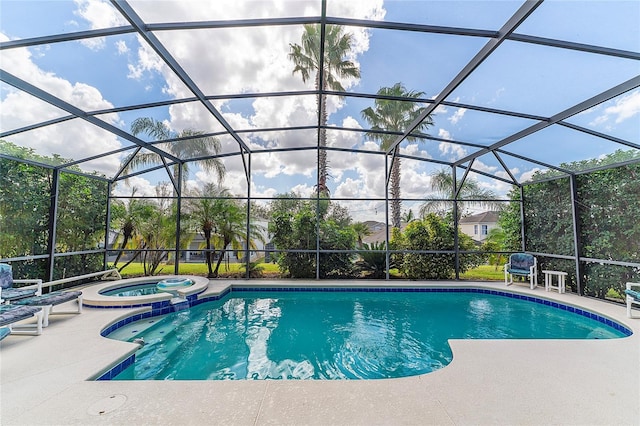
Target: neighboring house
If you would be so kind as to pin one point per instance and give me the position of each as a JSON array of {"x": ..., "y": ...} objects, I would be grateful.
[
  {"x": 477, "y": 226},
  {"x": 378, "y": 232}
]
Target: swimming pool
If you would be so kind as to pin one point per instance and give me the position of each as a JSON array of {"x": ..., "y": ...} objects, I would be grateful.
[{"x": 341, "y": 334}]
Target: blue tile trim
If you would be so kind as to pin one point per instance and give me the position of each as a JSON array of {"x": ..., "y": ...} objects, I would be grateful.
[
  {"x": 533, "y": 299},
  {"x": 119, "y": 368},
  {"x": 139, "y": 305}
]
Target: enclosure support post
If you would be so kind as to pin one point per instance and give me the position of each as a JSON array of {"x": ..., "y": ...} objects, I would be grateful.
[
  {"x": 176, "y": 263},
  {"x": 317, "y": 252},
  {"x": 247, "y": 253},
  {"x": 577, "y": 243},
  {"x": 386, "y": 216},
  {"x": 107, "y": 227},
  {"x": 522, "y": 224},
  {"x": 53, "y": 222},
  {"x": 455, "y": 221}
]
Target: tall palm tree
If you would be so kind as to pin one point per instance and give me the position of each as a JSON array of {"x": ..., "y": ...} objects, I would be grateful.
[
  {"x": 471, "y": 194},
  {"x": 194, "y": 146},
  {"x": 396, "y": 116},
  {"x": 306, "y": 58}
]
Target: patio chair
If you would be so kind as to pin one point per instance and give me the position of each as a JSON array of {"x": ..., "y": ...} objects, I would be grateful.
[
  {"x": 32, "y": 295},
  {"x": 9, "y": 292},
  {"x": 632, "y": 296},
  {"x": 49, "y": 300},
  {"x": 11, "y": 317},
  {"x": 523, "y": 265}
]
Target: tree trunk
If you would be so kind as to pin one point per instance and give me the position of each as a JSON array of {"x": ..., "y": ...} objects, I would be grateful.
[
  {"x": 222, "y": 253},
  {"x": 323, "y": 189},
  {"x": 135, "y": 256},
  {"x": 396, "y": 204},
  {"x": 119, "y": 255},
  {"x": 208, "y": 254}
]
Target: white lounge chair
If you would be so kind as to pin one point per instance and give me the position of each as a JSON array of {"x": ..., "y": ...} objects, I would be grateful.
[
  {"x": 31, "y": 296},
  {"x": 632, "y": 296},
  {"x": 12, "y": 320},
  {"x": 9, "y": 292}
]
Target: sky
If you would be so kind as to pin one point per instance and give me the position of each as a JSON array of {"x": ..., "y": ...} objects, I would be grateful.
[{"x": 115, "y": 71}]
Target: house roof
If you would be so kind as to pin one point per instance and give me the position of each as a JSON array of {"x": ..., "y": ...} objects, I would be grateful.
[{"x": 484, "y": 217}]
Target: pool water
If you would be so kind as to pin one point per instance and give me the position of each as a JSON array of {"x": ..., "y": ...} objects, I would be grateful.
[
  {"x": 143, "y": 289},
  {"x": 335, "y": 335}
]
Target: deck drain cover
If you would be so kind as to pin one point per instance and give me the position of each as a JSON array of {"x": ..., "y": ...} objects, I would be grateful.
[{"x": 107, "y": 405}]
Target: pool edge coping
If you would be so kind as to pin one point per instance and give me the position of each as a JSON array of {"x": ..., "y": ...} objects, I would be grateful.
[{"x": 213, "y": 294}]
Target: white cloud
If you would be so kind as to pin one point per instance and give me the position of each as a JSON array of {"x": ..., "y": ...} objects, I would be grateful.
[
  {"x": 503, "y": 174},
  {"x": 457, "y": 116},
  {"x": 122, "y": 47},
  {"x": 143, "y": 187},
  {"x": 623, "y": 109},
  {"x": 257, "y": 60},
  {"x": 527, "y": 176},
  {"x": 75, "y": 139},
  {"x": 349, "y": 188},
  {"x": 444, "y": 134},
  {"x": 479, "y": 165},
  {"x": 147, "y": 61},
  {"x": 99, "y": 14},
  {"x": 452, "y": 151}
]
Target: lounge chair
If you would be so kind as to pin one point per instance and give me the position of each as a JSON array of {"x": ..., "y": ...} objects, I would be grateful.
[
  {"x": 9, "y": 292},
  {"x": 524, "y": 265},
  {"x": 49, "y": 300},
  {"x": 32, "y": 295},
  {"x": 12, "y": 315},
  {"x": 632, "y": 296}
]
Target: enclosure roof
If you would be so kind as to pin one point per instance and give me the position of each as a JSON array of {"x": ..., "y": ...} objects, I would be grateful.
[{"x": 511, "y": 87}]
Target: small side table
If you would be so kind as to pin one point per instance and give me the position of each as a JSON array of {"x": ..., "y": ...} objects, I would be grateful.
[{"x": 560, "y": 280}]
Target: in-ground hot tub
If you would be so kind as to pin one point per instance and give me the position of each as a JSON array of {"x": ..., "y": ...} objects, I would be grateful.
[{"x": 143, "y": 291}]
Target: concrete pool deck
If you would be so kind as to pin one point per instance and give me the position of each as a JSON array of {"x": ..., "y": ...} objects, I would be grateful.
[{"x": 43, "y": 380}]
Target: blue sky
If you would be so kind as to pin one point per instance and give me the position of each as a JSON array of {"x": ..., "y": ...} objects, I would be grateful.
[{"x": 121, "y": 70}]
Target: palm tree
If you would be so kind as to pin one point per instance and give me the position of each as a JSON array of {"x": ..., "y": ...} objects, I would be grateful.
[
  {"x": 408, "y": 216},
  {"x": 362, "y": 230},
  {"x": 204, "y": 212},
  {"x": 495, "y": 241},
  {"x": 194, "y": 146},
  {"x": 306, "y": 58},
  {"x": 395, "y": 116},
  {"x": 133, "y": 214},
  {"x": 471, "y": 191},
  {"x": 231, "y": 229}
]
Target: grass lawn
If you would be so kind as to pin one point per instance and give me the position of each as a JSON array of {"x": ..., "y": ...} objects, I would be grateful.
[
  {"x": 484, "y": 273},
  {"x": 231, "y": 270},
  {"x": 270, "y": 270}
]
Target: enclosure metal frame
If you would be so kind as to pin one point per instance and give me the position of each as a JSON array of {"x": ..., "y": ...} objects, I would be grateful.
[{"x": 147, "y": 32}]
